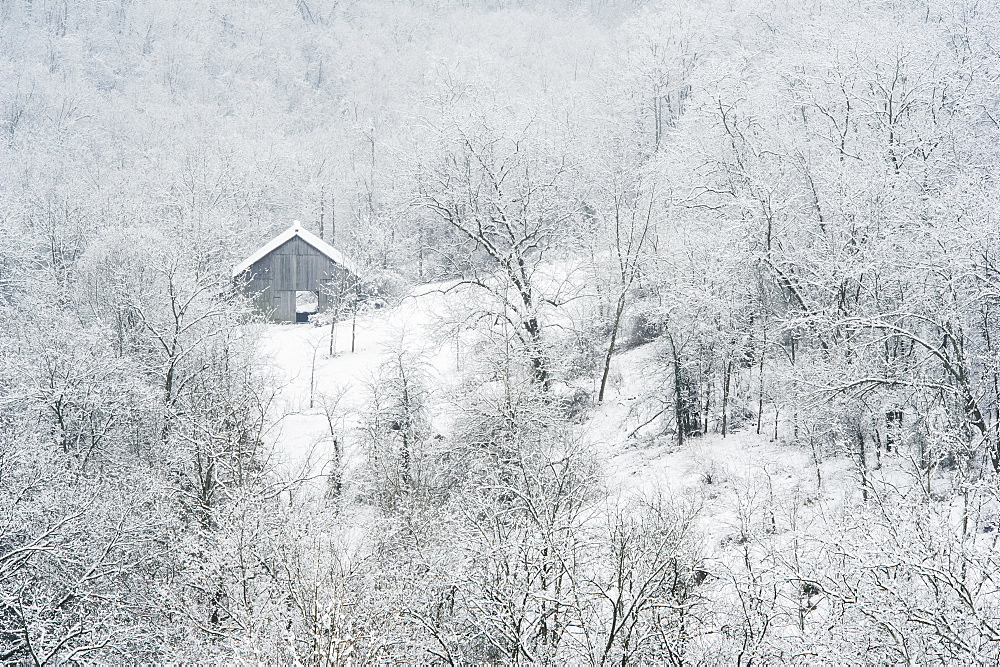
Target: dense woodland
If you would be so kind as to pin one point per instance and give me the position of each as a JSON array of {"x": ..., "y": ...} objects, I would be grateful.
[{"x": 793, "y": 203}]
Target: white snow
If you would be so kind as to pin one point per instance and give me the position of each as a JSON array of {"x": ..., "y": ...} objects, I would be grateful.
[
  {"x": 300, "y": 357},
  {"x": 721, "y": 470}
]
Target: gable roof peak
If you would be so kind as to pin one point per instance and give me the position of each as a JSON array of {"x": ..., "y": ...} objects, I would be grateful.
[{"x": 284, "y": 237}]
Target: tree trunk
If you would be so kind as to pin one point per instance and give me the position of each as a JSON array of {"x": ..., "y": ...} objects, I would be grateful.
[
  {"x": 708, "y": 403},
  {"x": 354, "y": 324},
  {"x": 760, "y": 395},
  {"x": 862, "y": 465},
  {"x": 539, "y": 367},
  {"x": 726, "y": 378},
  {"x": 322, "y": 211},
  {"x": 679, "y": 410},
  {"x": 615, "y": 324}
]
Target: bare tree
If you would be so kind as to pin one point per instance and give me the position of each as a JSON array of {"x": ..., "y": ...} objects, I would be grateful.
[
  {"x": 505, "y": 195},
  {"x": 631, "y": 221}
]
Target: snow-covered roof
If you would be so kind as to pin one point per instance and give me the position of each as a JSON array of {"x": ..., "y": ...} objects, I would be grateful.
[{"x": 307, "y": 236}]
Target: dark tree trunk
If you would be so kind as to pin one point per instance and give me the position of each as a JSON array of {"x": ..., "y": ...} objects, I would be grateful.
[
  {"x": 726, "y": 379},
  {"x": 615, "y": 324}
]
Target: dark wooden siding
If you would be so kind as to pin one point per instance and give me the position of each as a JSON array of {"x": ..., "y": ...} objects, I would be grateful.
[{"x": 291, "y": 267}]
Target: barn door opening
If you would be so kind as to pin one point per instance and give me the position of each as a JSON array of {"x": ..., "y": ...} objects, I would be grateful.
[{"x": 306, "y": 304}]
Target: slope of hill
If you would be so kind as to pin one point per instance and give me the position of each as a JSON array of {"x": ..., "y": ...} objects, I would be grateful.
[{"x": 734, "y": 481}]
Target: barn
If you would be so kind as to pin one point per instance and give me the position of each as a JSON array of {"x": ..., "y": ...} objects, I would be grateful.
[{"x": 295, "y": 275}]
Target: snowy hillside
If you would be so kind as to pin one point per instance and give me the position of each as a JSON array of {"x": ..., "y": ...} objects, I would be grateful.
[
  {"x": 303, "y": 371},
  {"x": 667, "y": 332},
  {"x": 762, "y": 515},
  {"x": 301, "y": 366},
  {"x": 741, "y": 478}
]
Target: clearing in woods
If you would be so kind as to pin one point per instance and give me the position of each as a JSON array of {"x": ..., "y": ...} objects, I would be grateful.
[{"x": 725, "y": 477}]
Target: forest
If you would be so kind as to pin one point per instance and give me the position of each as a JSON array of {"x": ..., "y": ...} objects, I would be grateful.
[{"x": 708, "y": 370}]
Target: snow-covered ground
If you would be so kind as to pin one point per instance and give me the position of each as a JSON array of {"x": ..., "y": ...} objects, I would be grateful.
[
  {"x": 306, "y": 373},
  {"x": 721, "y": 473}
]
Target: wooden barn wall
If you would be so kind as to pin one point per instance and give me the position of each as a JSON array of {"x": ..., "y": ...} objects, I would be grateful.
[{"x": 291, "y": 267}]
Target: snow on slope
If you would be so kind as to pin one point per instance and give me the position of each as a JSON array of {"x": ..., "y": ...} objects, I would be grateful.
[
  {"x": 302, "y": 367},
  {"x": 721, "y": 473}
]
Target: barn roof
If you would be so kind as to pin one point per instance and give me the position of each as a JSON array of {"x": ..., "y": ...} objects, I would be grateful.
[{"x": 307, "y": 236}]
